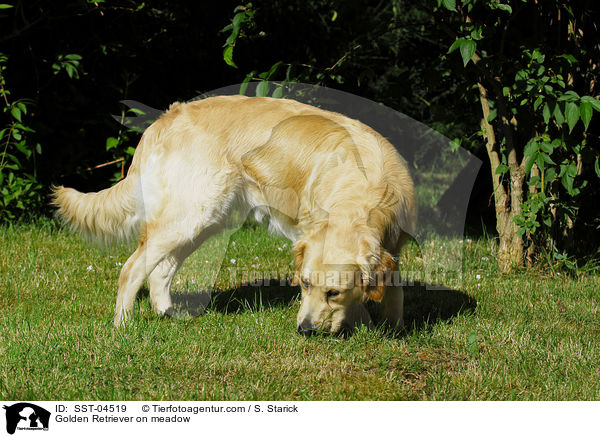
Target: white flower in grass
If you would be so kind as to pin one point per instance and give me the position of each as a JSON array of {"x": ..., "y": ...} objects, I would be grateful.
[
  {"x": 478, "y": 276},
  {"x": 118, "y": 264},
  {"x": 484, "y": 258},
  {"x": 232, "y": 260},
  {"x": 90, "y": 268},
  {"x": 233, "y": 243}
]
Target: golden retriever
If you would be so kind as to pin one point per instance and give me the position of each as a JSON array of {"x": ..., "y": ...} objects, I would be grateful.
[{"x": 332, "y": 185}]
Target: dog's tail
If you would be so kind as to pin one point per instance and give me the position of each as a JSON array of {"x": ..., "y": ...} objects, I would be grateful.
[{"x": 105, "y": 217}]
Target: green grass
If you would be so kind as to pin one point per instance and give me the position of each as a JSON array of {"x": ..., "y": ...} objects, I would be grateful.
[{"x": 527, "y": 336}]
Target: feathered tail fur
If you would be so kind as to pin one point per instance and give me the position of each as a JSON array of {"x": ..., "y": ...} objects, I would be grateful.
[{"x": 105, "y": 217}]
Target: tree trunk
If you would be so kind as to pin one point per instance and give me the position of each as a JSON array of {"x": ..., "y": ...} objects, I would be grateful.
[{"x": 507, "y": 199}]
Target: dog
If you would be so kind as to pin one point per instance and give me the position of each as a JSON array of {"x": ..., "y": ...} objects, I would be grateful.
[{"x": 332, "y": 185}]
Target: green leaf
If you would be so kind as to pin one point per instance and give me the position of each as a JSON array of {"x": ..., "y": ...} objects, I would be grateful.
[
  {"x": 538, "y": 56},
  {"x": 592, "y": 101},
  {"x": 228, "y": 56},
  {"x": 531, "y": 148},
  {"x": 501, "y": 169},
  {"x": 136, "y": 111},
  {"x": 546, "y": 147},
  {"x": 521, "y": 75},
  {"x": 597, "y": 167},
  {"x": 569, "y": 96},
  {"x": 262, "y": 89},
  {"x": 530, "y": 161},
  {"x": 226, "y": 28},
  {"x": 230, "y": 40},
  {"x": 111, "y": 143},
  {"x": 70, "y": 70},
  {"x": 546, "y": 113},
  {"x": 467, "y": 50},
  {"x": 504, "y": 7},
  {"x": 245, "y": 83},
  {"x": 586, "y": 111},
  {"x": 16, "y": 113},
  {"x": 546, "y": 158},
  {"x": 455, "y": 144},
  {"x": 539, "y": 161},
  {"x": 541, "y": 70},
  {"x": 567, "y": 181},
  {"x": 273, "y": 69},
  {"x": 572, "y": 114},
  {"x": 23, "y": 149},
  {"x": 476, "y": 34},
  {"x": 238, "y": 19},
  {"x": 5, "y": 6},
  {"x": 547, "y": 221},
  {"x": 278, "y": 93},
  {"x": 449, "y": 4},
  {"x": 558, "y": 115},
  {"x": 570, "y": 58},
  {"x": 538, "y": 102},
  {"x": 456, "y": 44}
]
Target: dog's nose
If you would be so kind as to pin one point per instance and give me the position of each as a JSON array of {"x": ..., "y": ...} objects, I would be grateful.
[{"x": 306, "y": 329}]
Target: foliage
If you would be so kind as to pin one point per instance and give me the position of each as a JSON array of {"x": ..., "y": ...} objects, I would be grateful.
[
  {"x": 19, "y": 187},
  {"x": 77, "y": 60},
  {"x": 538, "y": 81},
  {"x": 243, "y": 16}
]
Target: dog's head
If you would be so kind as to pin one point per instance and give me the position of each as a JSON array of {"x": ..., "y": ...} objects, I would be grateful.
[{"x": 337, "y": 275}]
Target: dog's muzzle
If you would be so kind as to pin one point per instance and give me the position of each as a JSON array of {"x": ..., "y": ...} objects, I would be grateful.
[{"x": 306, "y": 328}]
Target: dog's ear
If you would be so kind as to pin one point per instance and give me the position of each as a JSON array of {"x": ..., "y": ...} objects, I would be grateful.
[
  {"x": 374, "y": 271},
  {"x": 299, "y": 248}
]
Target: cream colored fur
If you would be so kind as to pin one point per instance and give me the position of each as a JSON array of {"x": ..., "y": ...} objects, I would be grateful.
[{"x": 332, "y": 185}]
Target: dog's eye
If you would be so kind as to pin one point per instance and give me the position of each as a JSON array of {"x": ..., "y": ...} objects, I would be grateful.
[
  {"x": 332, "y": 293},
  {"x": 305, "y": 283}
]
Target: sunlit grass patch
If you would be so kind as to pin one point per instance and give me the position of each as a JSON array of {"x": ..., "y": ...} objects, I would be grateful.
[{"x": 492, "y": 337}]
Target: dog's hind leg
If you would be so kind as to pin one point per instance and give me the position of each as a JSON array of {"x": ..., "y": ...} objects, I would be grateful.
[
  {"x": 161, "y": 277},
  {"x": 135, "y": 271}
]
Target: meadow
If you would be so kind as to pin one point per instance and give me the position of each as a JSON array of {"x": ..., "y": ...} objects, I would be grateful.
[{"x": 532, "y": 335}]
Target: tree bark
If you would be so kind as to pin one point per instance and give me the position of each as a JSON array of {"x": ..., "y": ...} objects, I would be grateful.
[{"x": 507, "y": 200}]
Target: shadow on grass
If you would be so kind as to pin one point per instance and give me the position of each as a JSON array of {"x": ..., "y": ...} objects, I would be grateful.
[
  {"x": 424, "y": 305},
  {"x": 243, "y": 298}
]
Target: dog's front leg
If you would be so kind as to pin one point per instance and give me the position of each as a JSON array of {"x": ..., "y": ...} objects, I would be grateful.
[{"x": 392, "y": 307}]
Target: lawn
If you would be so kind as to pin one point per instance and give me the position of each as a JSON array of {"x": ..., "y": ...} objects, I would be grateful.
[{"x": 527, "y": 336}]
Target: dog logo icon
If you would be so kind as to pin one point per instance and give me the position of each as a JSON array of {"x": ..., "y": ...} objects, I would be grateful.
[{"x": 26, "y": 416}]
